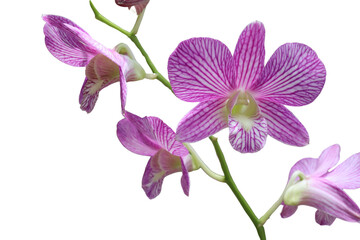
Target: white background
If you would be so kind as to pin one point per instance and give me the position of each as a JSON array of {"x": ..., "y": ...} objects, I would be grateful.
[{"x": 64, "y": 174}]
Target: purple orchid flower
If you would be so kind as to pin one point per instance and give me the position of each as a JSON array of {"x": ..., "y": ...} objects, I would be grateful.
[
  {"x": 150, "y": 136},
  {"x": 317, "y": 187},
  {"x": 240, "y": 93},
  {"x": 72, "y": 45},
  {"x": 139, "y": 5}
]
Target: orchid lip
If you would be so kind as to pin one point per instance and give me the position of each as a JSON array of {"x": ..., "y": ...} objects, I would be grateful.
[{"x": 242, "y": 104}]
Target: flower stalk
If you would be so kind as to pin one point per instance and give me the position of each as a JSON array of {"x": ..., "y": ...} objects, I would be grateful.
[
  {"x": 198, "y": 163},
  {"x": 230, "y": 182}
]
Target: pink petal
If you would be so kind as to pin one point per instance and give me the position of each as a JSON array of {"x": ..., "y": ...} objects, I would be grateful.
[
  {"x": 159, "y": 166},
  {"x": 251, "y": 140},
  {"x": 139, "y": 4},
  {"x": 135, "y": 140},
  {"x": 282, "y": 124},
  {"x": 325, "y": 196},
  {"x": 248, "y": 60},
  {"x": 293, "y": 76},
  {"x": 198, "y": 69},
  {"x": 88, "y": 96},
  {"x": 347, "y": 174},
  {"x": 322, "y": 218},
  {"x": 66, "y": 44},
  {"x": 328, "y": 159},
  {"x": 288, "y": 211},
  {"x": 206, "y": 119},
  {"x": 157, "y": 131},
  {"x": 123, "y": 92},
  {"x": 100, "y": 73},
  {"x": 185, "y": 180},
  {"x": 165, "y": 136},
  {"x": 306, "y": 165}
]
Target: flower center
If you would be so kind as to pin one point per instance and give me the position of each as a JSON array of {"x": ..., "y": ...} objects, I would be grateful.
[{"x": 242, "y": 105}]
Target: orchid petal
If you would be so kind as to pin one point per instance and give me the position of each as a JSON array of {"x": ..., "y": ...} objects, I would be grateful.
[
  {"x": 282, "y": 124},
  {"x": 198, "y": 69},
  {"x": 165, "y": 136},
  {"x": 206, "y": 119},
  {"x": 100, "y": 73},
  {"x": 159, "y": 166},
  {"x": 157, "y": 131},
  {"x": 248, "y": 59},
  {"x": 322, "y": 218},
  {"x": 293, "y": 76},
  {"x": 306, "y": 165},
  {"x": 288, "y": 211},
  {"x": 185, "y": 180},
  {"x": 64, "y": 43},
  {"x": 135, "y": 140},
  {"x": 328, "y": 159},
  {"x": 327, "y": 197},
  {"x": 247, "y": 140},
  {"x": 347, "y": 174},
  {"x": 88, "y": 95}
]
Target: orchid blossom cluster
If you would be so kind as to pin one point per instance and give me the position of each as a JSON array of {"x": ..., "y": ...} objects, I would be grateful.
[{"x": 236, "y": 91}]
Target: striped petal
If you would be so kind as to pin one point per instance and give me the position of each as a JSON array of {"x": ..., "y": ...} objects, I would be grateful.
[
  {"x": 324, "y": 196},
  {"x": 65, "y": 44},
  {"x": 198, "y": 69},
  {"x": 288, "y": 211},
  {"x": 135, "y": 140},
  {"x": 305, "y": 165},
  {"x": 293, "y": 76},
  {"x": 165, "y": 136},
  {"x": 157, "y": 131},
  {"x": 159, "y": 166},
  {"x": 347, "y": 174},
  {"x": 206, "y": 119},
  {"x": 328, "y": 159},
  {"x": 248, "y": 59},
  {"x": 283, "y": 125},
  {"x": 245, "y": 139},
  {"x": 100, "y": 73},
  {"x": 322, "y": 218}
]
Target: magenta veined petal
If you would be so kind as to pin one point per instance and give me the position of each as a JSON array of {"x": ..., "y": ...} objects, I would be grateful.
[
  {"x": 328, "y": 159},
  {"x": 64, "y": 43},
  {"x": 324, "y": 196},
  {"x": 206, "y": 119},
  {"x": 159, "y": 166},
  {"x": 72, "y": 45},
  {"x": 247, "y": 140},
  {"x": 139, "y": 5},
  {"x": 248, "y": 59},
  {"x": 347, "y": 174},
  {"x": 157, "y": 131},
  {"x": 135, "y": 140},
  {"x": 293, "y": 76},
  {"x": 198, "y": 70},
  {"x": 306, "y": 165},
  {"x": 282, "y": 124},
  {"x": 322, "y": 218}
]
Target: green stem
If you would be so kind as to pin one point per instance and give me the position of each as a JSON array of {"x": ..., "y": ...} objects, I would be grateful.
[
  {"x": 230, "y": 182},
  {"x": 160, "y": 77},
  {"x": 103, "y": 19},
  {"x": 137, "y": 23},
  {"x": 135, "y": 40}
]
